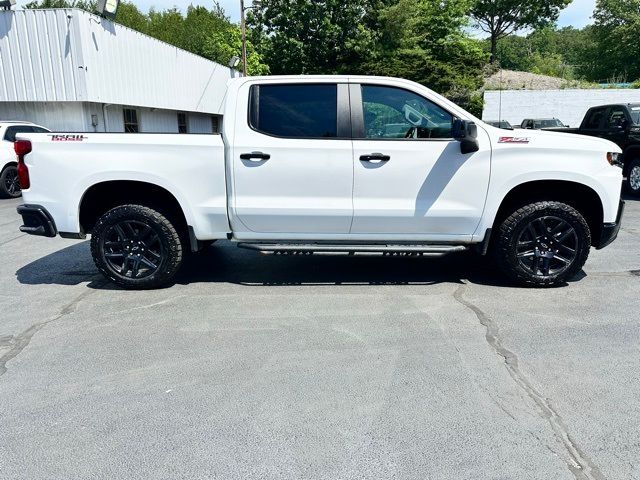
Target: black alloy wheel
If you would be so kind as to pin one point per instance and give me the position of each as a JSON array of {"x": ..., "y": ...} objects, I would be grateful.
[
  {"x": 547, "y": 246},
  {"x": 10, "y": 183},
  {"x": 133, "y": 249},
  {"x": 542, "y": 244},
  {"x": 136, "y": 247}
]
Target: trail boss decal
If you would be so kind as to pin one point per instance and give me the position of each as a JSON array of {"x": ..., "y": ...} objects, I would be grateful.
[
  {"x": 67, "y": 138},
  {"x": 514, "y": 140}
]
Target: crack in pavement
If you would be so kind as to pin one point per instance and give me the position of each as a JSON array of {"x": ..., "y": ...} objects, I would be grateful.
[
  {"x": 19, "y": 342},
  {"x": 12, "y": 239},
  {"x": 580, "y": 466}
]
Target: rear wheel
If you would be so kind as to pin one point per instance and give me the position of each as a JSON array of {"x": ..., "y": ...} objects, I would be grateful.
[
  {"x": 543, "y": 244},
  {"x": 136, "y": 247},
  {"x": 633, "y": 178},
  {"x": 9, "y": 183}
]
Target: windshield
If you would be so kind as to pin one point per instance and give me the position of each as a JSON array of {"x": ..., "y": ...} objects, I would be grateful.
[{"x": 554, "y": 122}]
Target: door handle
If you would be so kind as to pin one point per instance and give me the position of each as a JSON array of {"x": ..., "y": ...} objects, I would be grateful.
[
  {"x": 375, "y": 157},
  {"x": 255, "y": 156}
]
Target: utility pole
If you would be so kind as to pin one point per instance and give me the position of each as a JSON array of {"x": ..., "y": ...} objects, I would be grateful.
[{"x": 243, "y": 27}]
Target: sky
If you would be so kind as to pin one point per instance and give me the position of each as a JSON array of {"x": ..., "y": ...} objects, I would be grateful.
[{"x": 577, "y": 14}]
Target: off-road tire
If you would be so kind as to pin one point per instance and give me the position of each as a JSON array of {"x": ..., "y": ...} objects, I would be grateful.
[
  {"x": 9, "y": 174},
  {"x": 632, "y": 183},
  {"x": 166, "y": 240},
  {"x": 511, "y": 231}
]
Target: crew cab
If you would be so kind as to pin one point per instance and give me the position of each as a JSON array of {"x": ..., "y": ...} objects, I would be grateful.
[
  {"x": 619, "y": 123},
  {"x": 9, "y": 185},
  {"x": 329, "y": 164}
]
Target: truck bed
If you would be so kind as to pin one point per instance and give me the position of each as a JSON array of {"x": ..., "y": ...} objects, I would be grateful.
[{"x": 190, "y": 167}]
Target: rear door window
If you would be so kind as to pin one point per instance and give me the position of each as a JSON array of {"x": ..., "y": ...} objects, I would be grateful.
[{"x": 295, "y": 111}]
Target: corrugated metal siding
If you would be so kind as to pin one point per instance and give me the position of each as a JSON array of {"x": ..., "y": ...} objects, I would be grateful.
[
  {"x": 129, "y": 68},
  {"x": 569, "y": 106},
  {"x": 71, "y": 55},
  {"x": 199, "y": 123},
  {"x": 165, "y": 121},
  {"x": 57, "y": 116},
  {"x": 38, "y": 56}
]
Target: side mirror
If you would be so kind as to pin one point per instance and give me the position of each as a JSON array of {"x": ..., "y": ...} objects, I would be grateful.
[{"x": 466, "y": 132}]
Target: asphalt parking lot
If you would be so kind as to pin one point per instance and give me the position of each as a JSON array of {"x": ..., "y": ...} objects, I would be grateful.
[{"x": 317, "y": 367}]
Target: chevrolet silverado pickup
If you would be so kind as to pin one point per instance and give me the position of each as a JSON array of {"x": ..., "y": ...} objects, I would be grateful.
[
  {"x": 329, "y": 164},
  {"x": 619, "y": 123}
]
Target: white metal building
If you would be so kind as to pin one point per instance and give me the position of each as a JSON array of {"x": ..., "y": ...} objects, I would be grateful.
[
  {"x": 567, "y": 105},
  {"x": 69, "y": 70}
]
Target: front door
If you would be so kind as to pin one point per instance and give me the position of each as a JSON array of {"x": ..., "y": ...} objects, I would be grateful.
[
  {"x": 616, "y": 124},
  {"x": 410, "y": 177},
  {"x": 292, "y": 162}
]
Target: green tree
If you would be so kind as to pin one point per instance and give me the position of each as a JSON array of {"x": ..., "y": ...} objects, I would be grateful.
[
  {"x": 129, "y": 16},
  {"x": 500, "y": 18},
  {"x": 617, "y": 23},
  {"x": 313, "y": 36},
  {"x": 225, "y": 43},
  {"x": 566, "y": 52},
  {"x": 166, "y": 25},
  {"x": 88, "y": 5},
  {"x": 425, "y": 41}
]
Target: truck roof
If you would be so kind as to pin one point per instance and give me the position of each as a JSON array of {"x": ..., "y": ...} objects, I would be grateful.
[{"x": 616, "y": 105}]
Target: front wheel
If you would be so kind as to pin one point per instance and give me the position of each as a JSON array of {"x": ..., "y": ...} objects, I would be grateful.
[
  {"x": 136, "y": 247},
  {"x": 633, "y": 178},
  {"x": 9, "y": 183},
  {"x": 543, "y": 244}
]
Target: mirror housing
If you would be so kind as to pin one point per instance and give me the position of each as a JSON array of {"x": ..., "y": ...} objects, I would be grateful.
[{"x": 466, "y": 132}]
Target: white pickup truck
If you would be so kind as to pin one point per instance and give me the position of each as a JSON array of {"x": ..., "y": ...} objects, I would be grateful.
[{"x": 327, "y": 164}]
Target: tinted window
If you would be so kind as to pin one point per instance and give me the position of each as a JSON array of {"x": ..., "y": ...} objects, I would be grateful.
[
  {"x": 10, "y": 134},
  {"x": 182, "y": 122},
  {"x": 634, "y": 110},
  {"x": 215, "y": 124},
  {"x": 299, "y": 111},
  {"x": 40, "y": 130},
  {"x": 396, "y": 113},
  {"x": 616, "y": 117},
  {"x": 130, "y": 120},
  {"x": 595, "y": 118}
]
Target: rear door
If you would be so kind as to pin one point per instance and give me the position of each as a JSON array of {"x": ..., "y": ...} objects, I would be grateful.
[
  {"x": 410, "y": 178},
  {"x": 616, "y": 123},
  {"x": 292, "y": 160}
]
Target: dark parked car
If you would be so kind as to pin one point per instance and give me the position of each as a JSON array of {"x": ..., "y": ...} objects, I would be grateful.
[
  {"x": 500, "y": 124},
  {"x": 620, "y": 124},
  {"x": 542, "y": 123}
]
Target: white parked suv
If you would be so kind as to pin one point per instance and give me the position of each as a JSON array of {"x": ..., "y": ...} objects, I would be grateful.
[
  {"x": 327, "y": 164},
  {"x": 9, "y": 185}
]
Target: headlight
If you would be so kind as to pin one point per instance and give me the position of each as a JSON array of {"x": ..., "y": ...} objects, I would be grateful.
[{"x": 614, "y": 159}]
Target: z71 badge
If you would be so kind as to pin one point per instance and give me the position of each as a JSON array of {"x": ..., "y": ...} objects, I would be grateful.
[
  {"x": 67, "y": 138},
  {"x": 514, "y": 140}
]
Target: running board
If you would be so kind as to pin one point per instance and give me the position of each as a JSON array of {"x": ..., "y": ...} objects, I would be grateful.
[{"x": 310, "y": 248}]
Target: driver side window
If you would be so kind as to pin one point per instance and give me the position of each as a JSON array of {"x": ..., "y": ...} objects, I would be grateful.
[{"x": 394, "y": 113}]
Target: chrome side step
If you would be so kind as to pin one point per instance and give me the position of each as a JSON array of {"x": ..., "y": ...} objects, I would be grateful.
[{"x": 310, "y": 248}]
